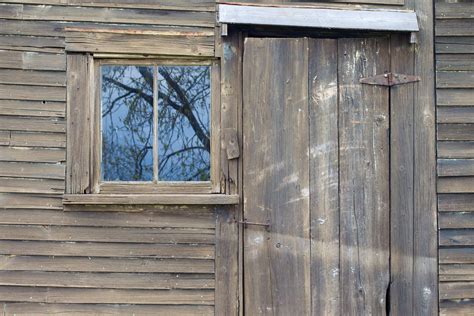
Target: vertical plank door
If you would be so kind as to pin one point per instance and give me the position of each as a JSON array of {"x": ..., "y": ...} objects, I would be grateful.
[{"x": 276, "y": 177}]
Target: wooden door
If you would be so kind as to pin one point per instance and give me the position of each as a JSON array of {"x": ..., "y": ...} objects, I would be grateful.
[{"x": 316, "y": 170}]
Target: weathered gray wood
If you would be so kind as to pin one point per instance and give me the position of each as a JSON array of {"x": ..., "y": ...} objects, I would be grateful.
[
  {"x": 143, "y": 199},
  {"x": 455, "y": 149},
  {"x": 32, "y": 108},
  {"x": 459, "y": 308},
  {"x": 29, "y": 124},
  {"x": 456, "y": 220},
  {"x": 111, "y": 15},
  {"x": 456, "y": 237},
  {"x": 364, "y": 170},
  {"x": 458, "y": 79},
  {"x": 227, "y": 262},
  {"x": 96, "y": 249},
  {"x": 425, "y": 267},
  {"x": 455, "y": 202},
  {"x": 24, "y": 309},
  {"x": 456, "y": 185},
  {"x": 456, "y": 132},
  {"x": 177, "y": 45},
  {"x": 456, "y": 290},
  {"x": 32, "y": 60},
  {"x": 455, "y": 27},
  {"x": 32, "y": 93},
  {"x": 320, "y": 18},
  {"x": 456, "y": 255},
  {"x": 276, "y": 178},
  {"x": 401, "y": 179},
  {"x": 115, "y": 265},
  {"x": 107, "y": 296},
  {"x": 32, "y": 170},
  {"x": 454, "y": 10},
  {"x": 453, "y": 114},
  {"x": 454, "y": 44},
  {"x": 455, "y": 167},
  {"x": 455, "y": 62},
  {"x": 106, "y": 280},
  {"x": 31, "y": 154},
  {"x": 324, "y": 176},
  {"x": 79, "y": 106},
  {"x": 108, "y": 234},
  {"x": 456, "y": 272},
  {"x": 455, "y": 97}
]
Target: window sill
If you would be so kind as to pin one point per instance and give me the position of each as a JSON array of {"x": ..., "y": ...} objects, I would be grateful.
[{"x": 150, "y": 199}]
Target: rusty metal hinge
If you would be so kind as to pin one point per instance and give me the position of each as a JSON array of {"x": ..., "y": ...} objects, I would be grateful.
[
  {"x": 389, "y": 79},
  {"x": 245, "y": 222}
]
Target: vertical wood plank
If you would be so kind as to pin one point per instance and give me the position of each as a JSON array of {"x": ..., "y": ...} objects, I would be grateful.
[
  {"x": 425, "y": 285},
  {"x": 401, "y": 179},
  {"x": 228, "y": 267},
  {"x": 276, "y": 188},
  {"x": 78, "y": 123},
  {"x": 364, "y": 166},
  {"x": 324, "y": 176},
  {"x": 226, "y": 263}
]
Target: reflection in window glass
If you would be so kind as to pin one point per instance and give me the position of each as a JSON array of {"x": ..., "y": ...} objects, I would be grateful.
[
  {"x": 183, "y": 123},
  {"x": 127, "y": 123}
]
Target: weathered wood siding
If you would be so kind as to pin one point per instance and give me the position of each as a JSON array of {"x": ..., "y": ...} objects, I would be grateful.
[
  {"x": 455, "y": 118},
  {"x": 155, "y": 262}
]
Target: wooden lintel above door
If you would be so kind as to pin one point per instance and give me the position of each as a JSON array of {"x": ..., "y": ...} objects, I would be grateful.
[{"x": 373, "y": 20}]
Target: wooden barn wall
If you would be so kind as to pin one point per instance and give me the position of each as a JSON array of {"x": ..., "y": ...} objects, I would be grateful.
[
  {"x": 455, "y": 120},
  {"x": 155, "y": 262}
]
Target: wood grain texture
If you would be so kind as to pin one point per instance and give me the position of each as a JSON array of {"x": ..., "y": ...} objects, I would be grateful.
[
  {"x": 364, "y": 219},
  {"x": 324, "y": 176},
  {"x": 276, "y": 181}
]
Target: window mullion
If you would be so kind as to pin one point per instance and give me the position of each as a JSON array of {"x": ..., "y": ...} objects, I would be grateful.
[{"x": 155, "y": 123}]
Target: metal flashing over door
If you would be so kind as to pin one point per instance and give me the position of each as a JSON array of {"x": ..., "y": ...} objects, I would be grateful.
[{"x": 373, "y": 20}]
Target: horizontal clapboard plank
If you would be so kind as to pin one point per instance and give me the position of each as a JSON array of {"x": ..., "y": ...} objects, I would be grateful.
[
  {"x": 456, "y": 272},
  {"x": 32, "y": 28},
  {"x": 454, "y": 10},
  {"x": 31, "y": 154},
  {"x": 94, "y": 264},
  {"x": 30, "y": 139},
  {"x": 455, "y": 97},
  {"x": 107, "y": 280},
  {"x": 456, "y": 237},
  {"x": 111, "y": 15},
  {"x": 107, "y": 234},
  {"x": 32, "y": 60},
  {"x": 456, "y": 290},
  {"x": 188, "y": 5},
  {"x": 36, "y": 186},
  {"x": 455, "y": 62},
  {"x": 144, "y": 44},
  {"x": 30, "y": 201},
  {"x": 456, "y": 220},
  {"x": 140, "y": 199},
  {"x": 35, "y": 93},
  {"x": 29, "y": 124},
  {"x": 96, "y": 249},
  {"x": 94, "y": 309},
  {"x": 456, "y": 255},
  {"x": 456, "y": 149},
  {"x": 33, "y": 77},
  {"x": 455, "y": 167},
  {"x": 457, "y": 307},
  {"x": 318, "y": 18},
  {"x": 455, "y": 131},
  {"x": 105, "y": 296},
  {"x": 455, "y": 79},
  {"x": 454, "y": 44},
  {"x": 454, "y": 27},
  {"x": 148, "y": 217},
  {"x": 456, "y": 185},
  {"x": 32, "y": 170},
  {"x": 456, "y": 202},
  {"x": 41, "y": 43},
  {"x": 464, "y": 114},
  {"x": 32, "y": 108}
]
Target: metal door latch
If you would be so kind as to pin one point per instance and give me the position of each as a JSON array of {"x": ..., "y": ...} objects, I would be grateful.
[
  {"x": 389, "y": 79},
  {"x": 246, "y": 222}
]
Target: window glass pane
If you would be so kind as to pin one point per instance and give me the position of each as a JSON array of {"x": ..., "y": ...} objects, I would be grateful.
[
  {"x": 183, "y": 123},
  {"x": 127, "y": 123}
]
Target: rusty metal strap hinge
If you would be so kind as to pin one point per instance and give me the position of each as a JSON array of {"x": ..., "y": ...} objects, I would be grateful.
[{"x": 389, "y": 79}]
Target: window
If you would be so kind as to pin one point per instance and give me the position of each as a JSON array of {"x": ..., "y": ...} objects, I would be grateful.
[
  {"x": 155, "y": 123},
  {"x": 154, "y": 119}
]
